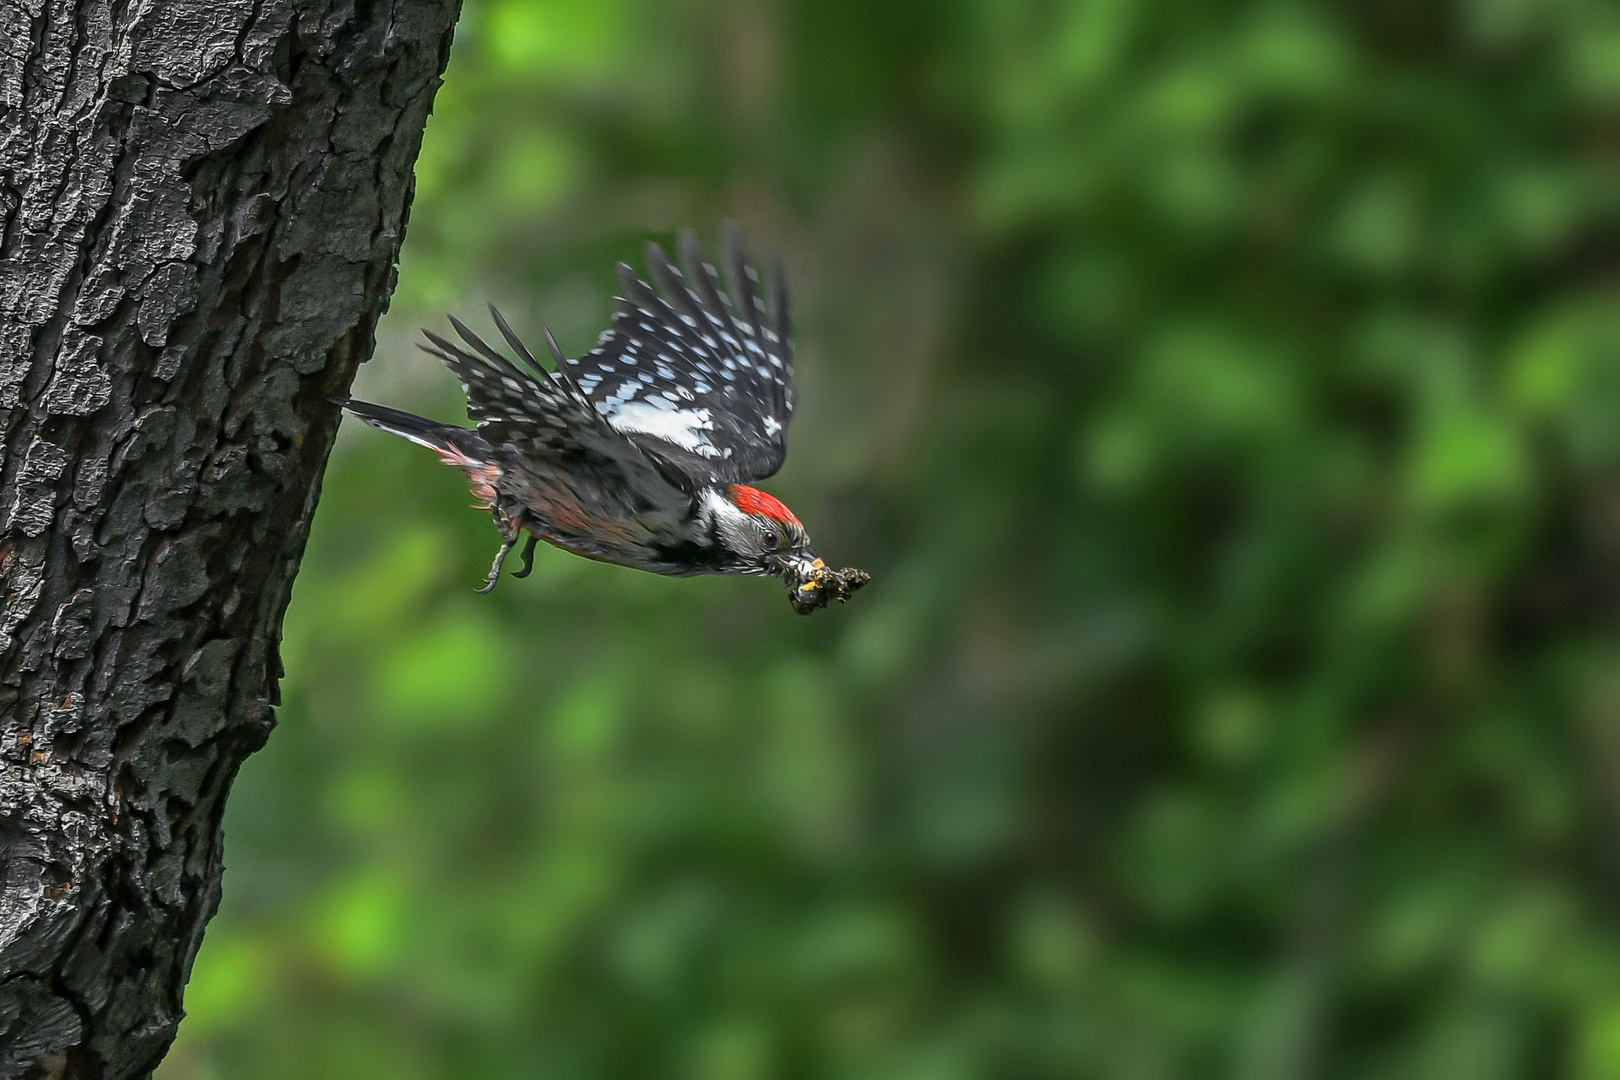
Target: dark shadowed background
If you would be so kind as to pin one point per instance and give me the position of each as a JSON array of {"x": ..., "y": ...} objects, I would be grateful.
[{"x": 1226, "y": 400}]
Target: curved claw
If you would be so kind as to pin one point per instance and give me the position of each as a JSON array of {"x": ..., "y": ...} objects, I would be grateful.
[
  {"x": 495, "y": 569},
  {"x": 528, "y": 557}
]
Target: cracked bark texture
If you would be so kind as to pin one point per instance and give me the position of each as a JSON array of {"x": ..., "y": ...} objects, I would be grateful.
[{"x": 202, "y": 202}]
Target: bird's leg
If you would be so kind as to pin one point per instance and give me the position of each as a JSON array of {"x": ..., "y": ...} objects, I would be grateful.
[
  {"x": 495, "y": 569},
  {"x": 509, "y": 535},
  {"x": 528, "y": 557}
]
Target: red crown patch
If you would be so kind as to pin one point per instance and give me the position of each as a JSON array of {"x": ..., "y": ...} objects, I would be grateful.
[{"x": 754, "y": 501}]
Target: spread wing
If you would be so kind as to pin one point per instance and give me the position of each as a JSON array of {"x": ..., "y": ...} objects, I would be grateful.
[
  {"x": 697, "y": 378},
  {"x": 542, "y": 418}
]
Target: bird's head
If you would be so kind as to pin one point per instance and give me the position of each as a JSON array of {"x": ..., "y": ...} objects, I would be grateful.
[{"x": 758, "y": 534}]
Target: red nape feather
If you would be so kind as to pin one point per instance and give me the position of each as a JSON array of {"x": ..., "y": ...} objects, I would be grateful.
[{"x": 754, "y": 501}]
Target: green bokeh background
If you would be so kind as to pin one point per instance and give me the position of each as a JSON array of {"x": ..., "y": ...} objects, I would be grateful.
[{"x": 1226, "y": 400}]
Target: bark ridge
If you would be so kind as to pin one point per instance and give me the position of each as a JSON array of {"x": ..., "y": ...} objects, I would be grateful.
[{"x": 202, "y": 202}]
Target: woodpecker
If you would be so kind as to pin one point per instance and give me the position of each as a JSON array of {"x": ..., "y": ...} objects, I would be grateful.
[{"x": 643, "y": 451}]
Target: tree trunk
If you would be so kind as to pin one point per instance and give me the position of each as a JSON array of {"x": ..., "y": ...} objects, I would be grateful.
[{"x": 202, "y": 205}]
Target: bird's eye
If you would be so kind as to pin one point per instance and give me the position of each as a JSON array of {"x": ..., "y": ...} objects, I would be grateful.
[{"x": 770, "y": 539}]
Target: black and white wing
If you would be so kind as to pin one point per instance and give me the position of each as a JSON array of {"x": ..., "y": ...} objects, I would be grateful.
[
  {"x": 542, "y": 417},
  {"x": 698, "y": 378}
]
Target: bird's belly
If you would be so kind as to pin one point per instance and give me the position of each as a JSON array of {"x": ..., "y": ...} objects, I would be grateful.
[{"x": 562, "y": 516}]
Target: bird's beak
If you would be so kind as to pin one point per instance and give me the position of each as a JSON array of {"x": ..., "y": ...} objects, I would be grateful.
[{"x": 801, "y": 568}]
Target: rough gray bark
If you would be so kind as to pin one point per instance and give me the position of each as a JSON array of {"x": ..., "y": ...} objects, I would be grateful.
[{"x": 202, "y": 202}]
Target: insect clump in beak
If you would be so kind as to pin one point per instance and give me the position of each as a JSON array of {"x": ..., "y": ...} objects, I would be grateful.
[{"x": 812, "y": 585}]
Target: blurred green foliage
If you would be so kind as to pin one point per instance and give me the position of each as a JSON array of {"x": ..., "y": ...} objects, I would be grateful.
[{"x": 1226, "y": 398}]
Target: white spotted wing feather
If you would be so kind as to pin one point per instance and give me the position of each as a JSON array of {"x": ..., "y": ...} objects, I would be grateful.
[
  {"x": 698, "y": 377},
  {"x": 548, "y": 425}
]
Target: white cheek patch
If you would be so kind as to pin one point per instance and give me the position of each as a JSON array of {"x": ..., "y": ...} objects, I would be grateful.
[{"x": 733, "y": 524}]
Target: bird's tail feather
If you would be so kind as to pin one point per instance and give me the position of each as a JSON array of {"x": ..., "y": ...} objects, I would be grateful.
[{"x": 447, "y": 440}]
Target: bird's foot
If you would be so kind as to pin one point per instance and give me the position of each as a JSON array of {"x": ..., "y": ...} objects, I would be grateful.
[
  {"x": 528, "y": 557},
  {"x": 495, "y": 569}
]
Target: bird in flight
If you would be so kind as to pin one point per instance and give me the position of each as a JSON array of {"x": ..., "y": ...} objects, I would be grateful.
[{"x": 643, "y": 451}]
